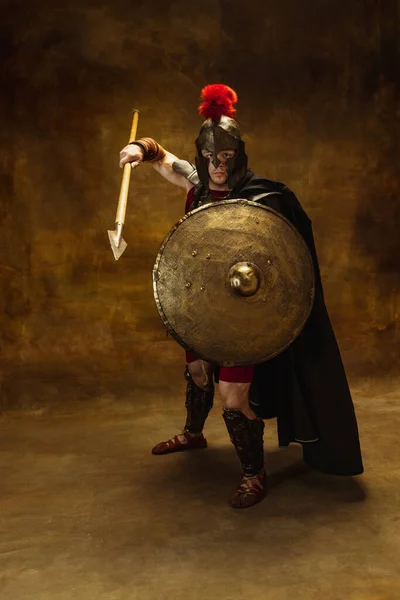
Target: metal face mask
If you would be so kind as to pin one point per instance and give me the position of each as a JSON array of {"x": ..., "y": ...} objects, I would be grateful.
[{"x": 216, "y": 137}]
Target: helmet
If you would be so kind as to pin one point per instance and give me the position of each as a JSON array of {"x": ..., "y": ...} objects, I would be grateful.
[{"x": 220, "y": 132}]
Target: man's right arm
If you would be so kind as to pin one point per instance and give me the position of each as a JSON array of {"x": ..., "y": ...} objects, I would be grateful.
[{"x": 162, "y": 161}]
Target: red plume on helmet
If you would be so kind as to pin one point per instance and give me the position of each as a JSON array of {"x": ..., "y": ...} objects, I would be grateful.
[{"x": 217, "y": 100}]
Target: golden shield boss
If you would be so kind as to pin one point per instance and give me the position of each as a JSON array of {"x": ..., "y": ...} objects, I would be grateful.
[{"x": 234, "y": 282}]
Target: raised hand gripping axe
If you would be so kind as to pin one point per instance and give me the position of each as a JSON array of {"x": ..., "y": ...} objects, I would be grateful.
[{"x": 118, "y": 244}]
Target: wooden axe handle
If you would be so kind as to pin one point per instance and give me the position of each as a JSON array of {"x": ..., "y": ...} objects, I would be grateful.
[{"x": 126, "y": 176}]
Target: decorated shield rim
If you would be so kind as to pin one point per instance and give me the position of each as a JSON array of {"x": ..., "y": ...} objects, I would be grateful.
[{"x": 242, "y": 202}]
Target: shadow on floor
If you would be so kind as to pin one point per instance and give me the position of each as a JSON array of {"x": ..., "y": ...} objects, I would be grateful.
[{"x": 212, "y": 474}]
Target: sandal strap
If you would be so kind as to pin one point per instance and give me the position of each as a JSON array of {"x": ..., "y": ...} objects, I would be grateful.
[{"x": 252, "y": 485}]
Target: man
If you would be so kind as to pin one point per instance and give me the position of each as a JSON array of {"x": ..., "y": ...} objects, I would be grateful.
[{"x": 305, "y": 387}]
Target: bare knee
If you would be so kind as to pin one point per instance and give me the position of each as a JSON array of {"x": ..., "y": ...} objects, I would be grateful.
[
  {"x": 235, "y": 396},
  {"x": 201, "y": 373}
]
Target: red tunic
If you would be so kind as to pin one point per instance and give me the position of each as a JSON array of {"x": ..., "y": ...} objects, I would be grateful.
[{"x": 231, "y": 374}]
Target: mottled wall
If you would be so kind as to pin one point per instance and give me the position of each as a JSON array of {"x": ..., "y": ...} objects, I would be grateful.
[{"x": 318, "y": 83}]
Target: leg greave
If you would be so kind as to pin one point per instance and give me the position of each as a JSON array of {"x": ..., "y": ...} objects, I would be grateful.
[
  {"x": 198, "y": 404},
  {"x": 247, "y": 437}
]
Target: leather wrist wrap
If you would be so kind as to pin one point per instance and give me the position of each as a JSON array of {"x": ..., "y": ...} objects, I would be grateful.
[{"x": 152, "y": 152}]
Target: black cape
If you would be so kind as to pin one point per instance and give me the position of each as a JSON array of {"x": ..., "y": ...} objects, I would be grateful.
[{"x": 305, "y": 387}]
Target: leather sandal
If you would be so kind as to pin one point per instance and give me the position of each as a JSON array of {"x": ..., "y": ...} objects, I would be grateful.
[
  {"x": 175, "y": 445},
  {"x": 250, "y": 491}
]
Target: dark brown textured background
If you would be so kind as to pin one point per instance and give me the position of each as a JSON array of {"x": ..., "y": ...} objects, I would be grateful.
[{"x": 318, "y": 86}]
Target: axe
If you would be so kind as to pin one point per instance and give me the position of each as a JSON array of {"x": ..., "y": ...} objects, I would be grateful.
[{"x": 118, "y": 244}]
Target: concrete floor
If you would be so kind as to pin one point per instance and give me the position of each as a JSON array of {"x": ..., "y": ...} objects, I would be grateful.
[{"x": 86, "y": 512}]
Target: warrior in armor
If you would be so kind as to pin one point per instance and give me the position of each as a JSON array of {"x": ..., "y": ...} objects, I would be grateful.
[{"x": 305, "y": 387}]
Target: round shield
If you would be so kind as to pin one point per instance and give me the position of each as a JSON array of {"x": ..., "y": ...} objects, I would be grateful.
[{"x": 234, "y": 282}]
